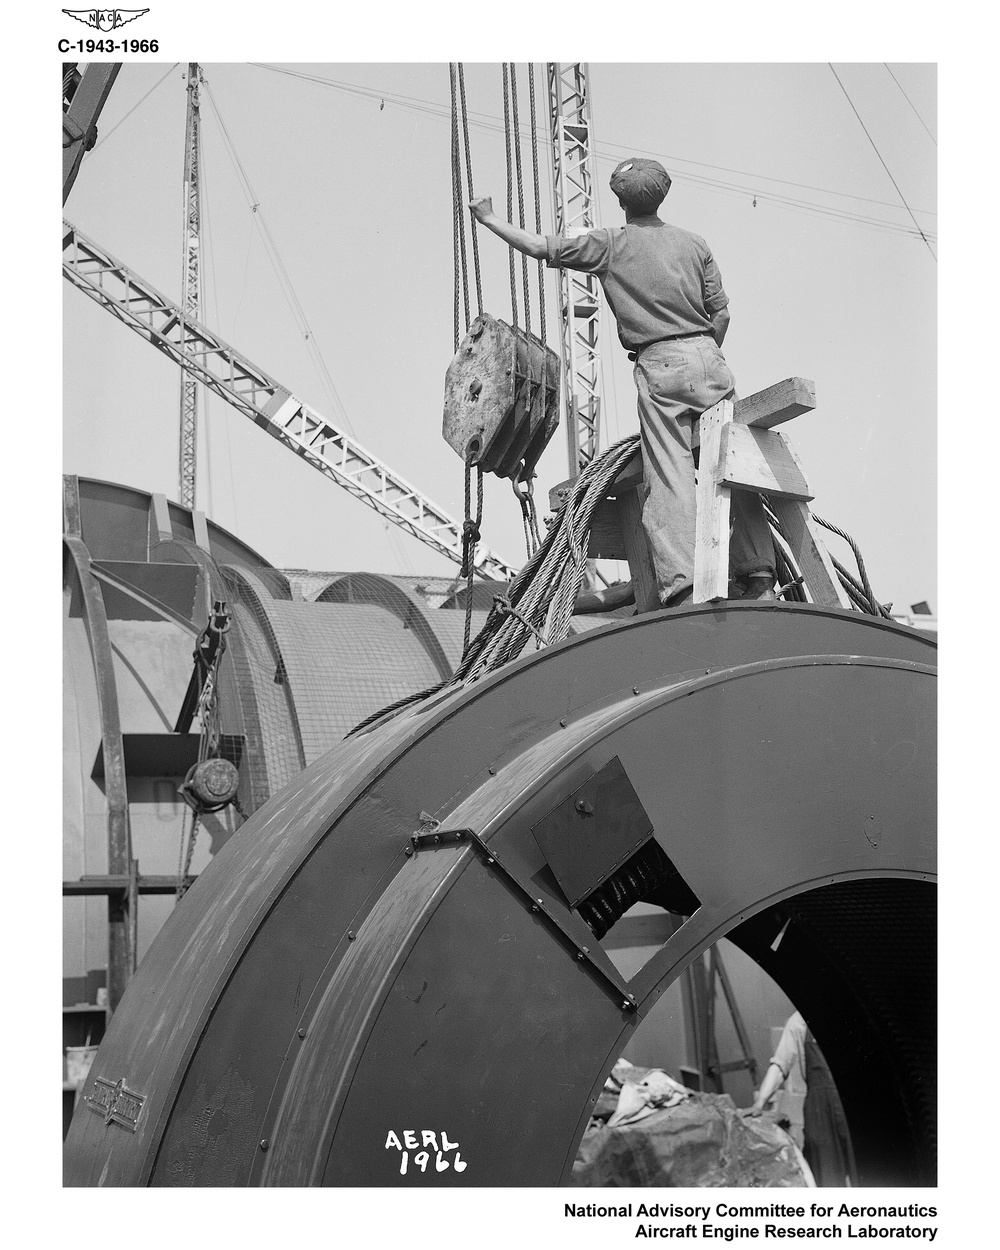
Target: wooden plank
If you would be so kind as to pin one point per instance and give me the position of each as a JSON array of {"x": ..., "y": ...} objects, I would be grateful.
[
  {"x": 711, "y": 548},
  {"x": 776, "y": 404},
  {"x": 640, "y": 562},
  {"x": 606, "y": 541},
  {"x": 761, "y": 460},
  {"x": 810, "y": 554},
  {"x": 773, "y": 405},
  {"x": 630, "y": 475},
  {"x": 762, "y": 410}
]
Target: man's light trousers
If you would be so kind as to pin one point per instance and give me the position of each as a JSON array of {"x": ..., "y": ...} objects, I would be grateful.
[{"x": 677, "y": 381}]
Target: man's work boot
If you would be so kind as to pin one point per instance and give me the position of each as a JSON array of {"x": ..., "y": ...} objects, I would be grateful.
[{"x": 760, "y": 586}]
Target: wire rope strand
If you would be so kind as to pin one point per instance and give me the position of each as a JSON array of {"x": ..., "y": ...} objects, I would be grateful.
[
  {"x": 277, "y": 264},
  {"x": 468, "y": 166},
  {"x": 488, "y": 122},
  {"x": 538, "y": 201},
  {"x": 881, "y": 158},
  {"x": 510, "y": 192},
  {"x": 185, "y": 856},
  {"x": 516, "y": 133},
  {"x": 456, "y": 262},
  {"x": 875, "y": 606},
  {"x": 469, "y": 560},
  {"x": 911, "y": 104},
  {"x": 460, "y": 201}
]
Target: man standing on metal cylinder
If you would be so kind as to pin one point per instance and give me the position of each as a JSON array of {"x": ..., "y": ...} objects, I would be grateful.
[{"x": 666, "y": 293}]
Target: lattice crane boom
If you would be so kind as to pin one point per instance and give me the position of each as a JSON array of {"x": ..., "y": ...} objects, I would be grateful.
[
  {"x": 191, "y": 283},
  {"x": 579, "y": 293},
  {"x": 266, "y": 402}
]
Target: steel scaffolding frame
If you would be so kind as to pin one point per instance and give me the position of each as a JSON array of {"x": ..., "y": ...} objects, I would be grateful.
[
  {"x": 266, "y": 402},
  {"x": 579, "y": 293}
]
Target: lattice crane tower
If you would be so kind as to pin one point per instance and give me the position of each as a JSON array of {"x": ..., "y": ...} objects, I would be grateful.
[
  {"x": 191, "y": 281},
  {"x": 579, "y": 302}
]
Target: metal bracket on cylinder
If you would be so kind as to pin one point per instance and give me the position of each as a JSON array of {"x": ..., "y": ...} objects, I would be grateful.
[{"x": 430, "y": 839}]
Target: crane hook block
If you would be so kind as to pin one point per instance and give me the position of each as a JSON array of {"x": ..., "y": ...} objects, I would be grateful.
[{"x": 501, "y": 398}]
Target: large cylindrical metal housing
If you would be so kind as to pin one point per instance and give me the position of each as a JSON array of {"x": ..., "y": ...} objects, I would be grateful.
[{"x": 327, "y": 982}]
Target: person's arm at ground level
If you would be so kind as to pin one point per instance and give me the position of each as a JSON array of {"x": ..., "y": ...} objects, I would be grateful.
[
  {"x": 774, "y": 1078},
  {"x": 522, "y": 240},
  {"x": 720, "y": 324}
]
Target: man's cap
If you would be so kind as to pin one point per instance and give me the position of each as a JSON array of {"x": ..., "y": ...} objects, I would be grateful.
[{"x": 640, "y": 184}]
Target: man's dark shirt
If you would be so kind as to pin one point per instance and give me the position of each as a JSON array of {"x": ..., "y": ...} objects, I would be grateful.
[{"x": 659, "y": 280}]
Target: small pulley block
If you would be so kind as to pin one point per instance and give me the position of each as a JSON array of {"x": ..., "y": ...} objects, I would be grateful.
[
  {"x": 210, "y": 785},
  {"x": 501, "y": 398}
]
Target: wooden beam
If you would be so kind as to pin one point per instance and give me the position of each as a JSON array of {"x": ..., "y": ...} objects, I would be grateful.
[
  {"x": 640, "y": 561},
  {"x": 711, "y": 546},
  {"x": 751, "y": 458},
  {"x": 764, "y": 409},
  {"x": 772, "y": 406},
  {"x": 776, "y": 404},
  {"x": 810, "y": 554},
  {"x": 607, "y": 535},
  {"x": 761, "y": 460}
]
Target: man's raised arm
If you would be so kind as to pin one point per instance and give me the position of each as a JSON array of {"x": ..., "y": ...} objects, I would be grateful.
[{"x": 523, "y": 241}]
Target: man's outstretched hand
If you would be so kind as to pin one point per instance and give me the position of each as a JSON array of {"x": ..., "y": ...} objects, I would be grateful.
[{"x": 530, "y": 244}]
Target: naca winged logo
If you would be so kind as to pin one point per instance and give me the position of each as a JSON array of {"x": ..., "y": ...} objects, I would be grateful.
[{"x": 105, "y": 19}]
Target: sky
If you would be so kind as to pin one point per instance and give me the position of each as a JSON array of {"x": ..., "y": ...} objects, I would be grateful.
[{"x": 810, "y": 218}]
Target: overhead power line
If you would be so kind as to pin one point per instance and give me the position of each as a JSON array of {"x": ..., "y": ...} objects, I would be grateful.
[
  {"x": 485, "y": 121},
  {"x": 879, "y": 155},
  {"x": 284, "y": 278},
  {"x": 910, "y": 103}
]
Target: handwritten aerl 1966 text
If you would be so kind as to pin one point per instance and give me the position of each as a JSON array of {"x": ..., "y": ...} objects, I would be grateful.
[{"x": 422, "y": 1145}]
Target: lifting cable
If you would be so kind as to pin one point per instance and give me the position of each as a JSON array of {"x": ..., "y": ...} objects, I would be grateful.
[
  {"x": 471, "y": 527},
  {"x": 515, "y": 176},
  {"x": 462, "y": 192},
  {"x": 208, "y": 655}
]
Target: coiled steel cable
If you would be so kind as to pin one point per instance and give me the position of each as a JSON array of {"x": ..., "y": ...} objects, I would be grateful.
[
  {"x": 860, "y": 592},
  {"x": 874, "y": 607},
  {"x": 539, "y": 601}
]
